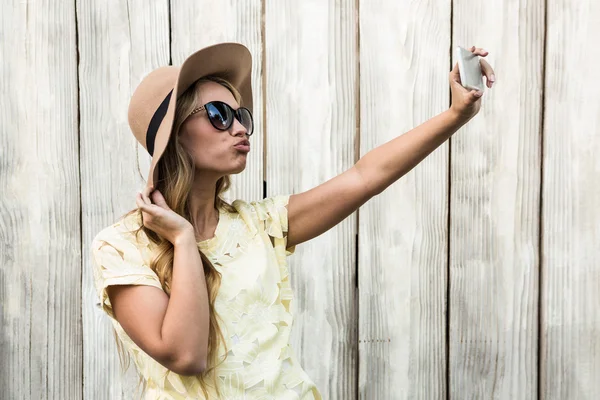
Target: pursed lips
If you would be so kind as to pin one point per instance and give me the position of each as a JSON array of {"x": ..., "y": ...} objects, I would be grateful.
[{"x": 243, "y": 145}]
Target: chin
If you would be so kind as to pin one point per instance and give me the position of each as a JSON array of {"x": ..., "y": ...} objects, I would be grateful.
[{"x": 238, "y": 169}]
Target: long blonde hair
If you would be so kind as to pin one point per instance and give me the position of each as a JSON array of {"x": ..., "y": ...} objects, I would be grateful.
[{"x": 176, "y": 174}]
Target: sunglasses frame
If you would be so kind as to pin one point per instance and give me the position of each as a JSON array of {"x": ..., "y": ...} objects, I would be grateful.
[{"x": 235, "y": 113}]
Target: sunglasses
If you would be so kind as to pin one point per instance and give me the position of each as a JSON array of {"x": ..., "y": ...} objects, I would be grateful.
[{"x": 221, "y": 116}]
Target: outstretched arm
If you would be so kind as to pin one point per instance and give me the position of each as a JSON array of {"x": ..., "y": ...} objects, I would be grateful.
[{"x": 319, "y": 209}]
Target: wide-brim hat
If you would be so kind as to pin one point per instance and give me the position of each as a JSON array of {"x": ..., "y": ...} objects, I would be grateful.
[{"x": 152, "y": 105}]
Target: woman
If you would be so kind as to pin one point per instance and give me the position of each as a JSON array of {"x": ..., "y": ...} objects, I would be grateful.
[{"x": 197, "y": 289}]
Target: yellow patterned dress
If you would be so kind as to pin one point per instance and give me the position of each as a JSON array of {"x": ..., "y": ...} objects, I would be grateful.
[{"x": 254, "y": 300}]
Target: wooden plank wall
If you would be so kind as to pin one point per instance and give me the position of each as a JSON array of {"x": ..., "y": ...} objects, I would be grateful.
[
  {"x": 570, "y": 267},
  {"x": 311, "y": 127},
  {"x": 119, "y": 43},
  {"x": 403, "y": 236},
  {"x": 495, "y": 209},
  {"x": 477, "y": 273},
  {"x": 40, "y": 228}
]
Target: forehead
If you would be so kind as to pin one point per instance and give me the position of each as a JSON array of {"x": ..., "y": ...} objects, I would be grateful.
[{"x": 211, "y": 91}]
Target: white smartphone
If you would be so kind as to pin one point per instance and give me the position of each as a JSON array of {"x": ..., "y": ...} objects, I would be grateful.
[{"x": 469, "y": 69}]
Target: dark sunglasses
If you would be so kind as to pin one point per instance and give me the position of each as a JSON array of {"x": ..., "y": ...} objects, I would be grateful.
[{"x": 221, "y": 116}]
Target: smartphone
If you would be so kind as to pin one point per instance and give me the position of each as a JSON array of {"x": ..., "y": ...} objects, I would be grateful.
[{"x": 469, "y": 69}]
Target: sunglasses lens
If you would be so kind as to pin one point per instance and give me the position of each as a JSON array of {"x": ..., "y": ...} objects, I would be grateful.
[
  {"x": 220, "y": 115},
  {"x": 245, "y": 119}
]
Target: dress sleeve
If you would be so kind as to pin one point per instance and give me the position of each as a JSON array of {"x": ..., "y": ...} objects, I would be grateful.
[
  {"x": 118, "y": 260},
  {"x": 274, "y": 213}
]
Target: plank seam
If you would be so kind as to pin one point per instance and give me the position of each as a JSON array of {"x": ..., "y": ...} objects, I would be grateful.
[
  {"x": 263, "y": 72},
  {"x": 541, "y": 208},
  {"x": 83, "y": 247},
  {"x": 449, "y": 219},
  {"x": 357, "y": 126},
  {"x": 170, "y": 34}
]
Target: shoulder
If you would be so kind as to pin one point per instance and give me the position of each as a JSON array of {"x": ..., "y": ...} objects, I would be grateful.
[
  {"x": 120, "y": 257},
  {"x": 263, "y": 206},
  {"x": 269, "y": 214},
  {"x": 124, "y": 226},
  {"x": 121, "y": 235}
]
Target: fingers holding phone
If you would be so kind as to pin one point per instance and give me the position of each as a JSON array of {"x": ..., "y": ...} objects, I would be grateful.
[
  {"x": 466, "y": 81},
  {"x": 472, "y": 68}
]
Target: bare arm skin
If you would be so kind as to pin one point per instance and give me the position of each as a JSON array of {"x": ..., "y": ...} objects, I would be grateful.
[
  {"x": 172, "y": 330},
  {"x": 317, "y": 210}
]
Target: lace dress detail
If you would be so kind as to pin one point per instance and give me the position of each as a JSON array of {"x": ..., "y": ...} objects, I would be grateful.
[{"x": 254, "y": 303}]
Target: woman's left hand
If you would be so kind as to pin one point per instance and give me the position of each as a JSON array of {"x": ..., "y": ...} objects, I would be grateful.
[{"x": 465, "y": 102}]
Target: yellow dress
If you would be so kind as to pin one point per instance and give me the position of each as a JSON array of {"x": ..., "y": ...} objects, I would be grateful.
[{"x": 254, "y": 302}]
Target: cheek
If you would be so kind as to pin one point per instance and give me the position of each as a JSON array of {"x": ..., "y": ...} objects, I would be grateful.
[
  {"x": 209, "y": 147},
  {"x": 210, "y": 150},
  {"x": 198, "y": 139}
]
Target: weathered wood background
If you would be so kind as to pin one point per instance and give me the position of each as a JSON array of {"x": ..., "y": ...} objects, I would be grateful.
[{"x": 476, "y": 276}]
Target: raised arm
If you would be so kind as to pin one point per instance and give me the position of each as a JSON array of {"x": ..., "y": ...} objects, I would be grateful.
[{"x": 317, "y": 210}]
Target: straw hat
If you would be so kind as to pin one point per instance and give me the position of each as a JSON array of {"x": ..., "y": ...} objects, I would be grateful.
[{"x": 152, "y": 106}]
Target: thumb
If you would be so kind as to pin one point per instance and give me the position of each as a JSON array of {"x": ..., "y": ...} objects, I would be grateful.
[
  {"x": 475, "y": 95},
  {"x": 159, "y": 200},
  {"x": 455, "y": 74}
]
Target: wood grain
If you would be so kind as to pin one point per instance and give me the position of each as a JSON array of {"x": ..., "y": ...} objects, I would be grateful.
[
  {"x": 494, "y": 208},
  {"x": 196, "y": 24},
  {"x": 311, "y": 121},
  {"x": 119, "y": 43},
  {"x": 570, "y": 323},
  {"x": 403, "y": 235},
  {"x": 40, "y": 243}
]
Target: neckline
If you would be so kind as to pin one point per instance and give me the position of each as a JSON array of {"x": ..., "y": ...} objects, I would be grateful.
[{"x": 210, "y": 242}]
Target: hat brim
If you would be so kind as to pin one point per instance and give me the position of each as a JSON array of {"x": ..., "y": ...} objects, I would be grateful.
[{"x": 231, "y": 61}]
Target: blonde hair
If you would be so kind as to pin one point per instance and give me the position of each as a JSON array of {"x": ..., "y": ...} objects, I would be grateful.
[{"x": 176, "y": 174}]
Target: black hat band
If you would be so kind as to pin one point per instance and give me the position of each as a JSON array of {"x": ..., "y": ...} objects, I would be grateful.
[{"x": 155, "y": 122}]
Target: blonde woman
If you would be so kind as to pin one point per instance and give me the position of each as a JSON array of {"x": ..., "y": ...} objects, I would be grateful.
[{"x": 197, "y": 289}]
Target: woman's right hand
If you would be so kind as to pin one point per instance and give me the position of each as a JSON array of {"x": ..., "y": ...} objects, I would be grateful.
[{"x": 158, "y": 217}]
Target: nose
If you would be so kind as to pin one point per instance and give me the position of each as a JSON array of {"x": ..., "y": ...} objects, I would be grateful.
[{"x": 237, "y": 129}]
